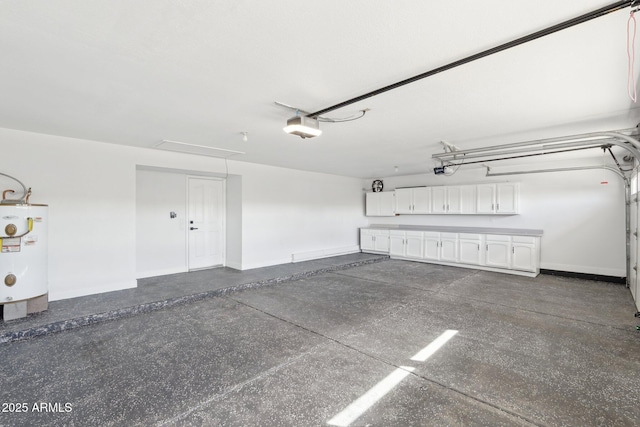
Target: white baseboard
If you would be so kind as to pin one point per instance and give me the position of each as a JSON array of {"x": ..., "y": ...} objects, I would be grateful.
[
  {"x": 81, "y": 291},
  {"x": 234, "y": 265},
  {"x": 160, "y": 272},
  {"x": 324, "y": 253},
  {"x": 265, "y": 264}
]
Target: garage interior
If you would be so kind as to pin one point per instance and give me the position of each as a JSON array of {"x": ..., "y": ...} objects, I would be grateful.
[{"x": 444, "y": 232}]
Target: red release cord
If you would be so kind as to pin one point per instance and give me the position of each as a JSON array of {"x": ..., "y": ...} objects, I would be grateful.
[{"x": 631, "y": 37}]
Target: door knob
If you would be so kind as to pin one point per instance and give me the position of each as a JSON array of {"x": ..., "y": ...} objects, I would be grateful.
[{"x": 192, "y": 228}]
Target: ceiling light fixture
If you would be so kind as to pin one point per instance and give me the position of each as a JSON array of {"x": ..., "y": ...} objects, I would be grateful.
[
  {"x": 303, "y": 126},
  {"x": 245, "y": 136}
]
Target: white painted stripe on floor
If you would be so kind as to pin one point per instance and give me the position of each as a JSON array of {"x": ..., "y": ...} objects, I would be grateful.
[
  {"x": 435, "y": 345},
  {"x": 364, "y": 402}
]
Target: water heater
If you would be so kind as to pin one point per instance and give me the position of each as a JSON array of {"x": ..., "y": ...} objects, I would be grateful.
[{"x": 23, "y": 256}]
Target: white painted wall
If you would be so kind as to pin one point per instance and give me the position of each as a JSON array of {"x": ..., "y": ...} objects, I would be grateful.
[
  {"x": 290, "y": 212},
  {"x": 91, "y": 190},
  {"x": 234, "y": 222},
  {"x": 161, "y": 244},
  {"x": 582, "y": 220}
]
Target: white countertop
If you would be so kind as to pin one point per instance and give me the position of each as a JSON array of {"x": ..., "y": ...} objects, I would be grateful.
[{"x": 452, "y": 229}]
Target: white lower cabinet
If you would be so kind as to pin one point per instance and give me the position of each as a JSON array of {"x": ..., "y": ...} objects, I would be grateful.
[
  {"x": 440, "y": 246},
  {"x": 469, "y": 248},
  {"x": 374, "y": 240},
  {"x": 524, "y": 253},
  {"x": 407, "y": 244},
  {"x": 520, "y": 253},
  {"x": 497, "y": 252}
]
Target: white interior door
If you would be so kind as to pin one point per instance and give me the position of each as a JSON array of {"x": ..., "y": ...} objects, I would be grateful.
[{"x": 205, "y": 225}]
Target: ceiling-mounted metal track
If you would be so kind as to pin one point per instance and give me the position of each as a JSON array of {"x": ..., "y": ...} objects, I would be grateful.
[
  {"x": 533, "y": 36},
  {"x": 542, "y": 146}
]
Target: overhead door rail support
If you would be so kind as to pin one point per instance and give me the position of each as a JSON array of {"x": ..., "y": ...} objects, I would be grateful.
[{"x": 542, "y": 146}]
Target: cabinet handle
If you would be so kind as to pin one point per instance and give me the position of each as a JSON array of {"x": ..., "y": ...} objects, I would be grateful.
[
  {"x": 447, "y": 207},
  {"x": 487, "y": 248},
  {"x": 493, "y": 206},
  {"x": 478, "y": 246},
  {"x": 498, "y": 207},
  {"x": 513, "y": 250},
  {"x": 444, "y": 207}
]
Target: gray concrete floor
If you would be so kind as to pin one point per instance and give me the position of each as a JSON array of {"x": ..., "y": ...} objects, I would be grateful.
[{"x": 547, "y": 351}]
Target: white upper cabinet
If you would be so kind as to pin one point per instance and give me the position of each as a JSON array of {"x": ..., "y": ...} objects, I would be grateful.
[
  {"x": 467, "y": 199},
  {"x": 413, "y": 200},
  {"x": 487, "y": 199},
  {"x": 422, "y": 200},
  {"x": 507, "y": 198},
  {"x": 499, "y": 198},
  {"x": 380, "y": 204},
  {"x": 453, "y": 199},
  {"x": 439, "y": 200}
]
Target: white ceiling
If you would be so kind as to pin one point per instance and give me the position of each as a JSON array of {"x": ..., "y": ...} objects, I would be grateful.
[{"x": 201, "y": 72}]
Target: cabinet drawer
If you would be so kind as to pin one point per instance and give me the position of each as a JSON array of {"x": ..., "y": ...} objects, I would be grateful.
[
  {"x": 449, "y": 235},
  {"x": 498, "y": 238},
  {"x": 414, "y": 234},
  {"x": 524, "y": 239}
]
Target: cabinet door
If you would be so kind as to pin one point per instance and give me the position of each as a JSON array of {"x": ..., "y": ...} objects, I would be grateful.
[
  {"x": 498, "y": 250},
  {"x": 468, "y": 199},
  {"x": 449, "y": 250},
  {"x": 372, "y": 205},
  {"x": 454, "y": 199},
  {"x": 422, "y": 200},
  {"x": 507, "y": 195},
  {"x": 404, "y": 200},
  {"x": 386, "y": 200},
  {"x": 523, "y": 257},
  {"x": 449, "y": 247},
  {"x": 367, "y": 240},
  {"x": 396, "y": 243},
  {"x": 431, "y": 246},
  {"x": 438, "y": 200},
  {"x": 469, "y": 251},
  {"x": 413, "y": 243},
  {"x": 525, "y": 253},
  {"x": 485, "y": 198},
  {"x": 381, "y": 241}
]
